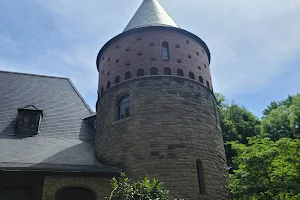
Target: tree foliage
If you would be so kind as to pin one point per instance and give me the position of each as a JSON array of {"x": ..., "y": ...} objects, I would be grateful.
[
  {"x": 266, "y": 169},
  {"x": 125, "y": 189},
  {"x": 237, "y": 124},
  {"x": 282, "y": 119},
  {"x": 266, "y": 151},
  {"x": 220, "y": 101}
]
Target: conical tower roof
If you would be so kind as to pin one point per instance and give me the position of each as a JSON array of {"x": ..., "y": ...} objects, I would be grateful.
[{"x": 150, "y": 13}]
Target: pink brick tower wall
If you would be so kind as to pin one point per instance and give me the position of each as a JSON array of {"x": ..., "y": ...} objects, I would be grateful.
[{"x": 130, "y": 54}]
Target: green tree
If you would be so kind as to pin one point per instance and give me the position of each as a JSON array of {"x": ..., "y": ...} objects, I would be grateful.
[
  {"x": 220, "y": 101},
  {"x": 282, "y": 119},
  {"x": 273, "y": 105},
  {"x": 267, "y": 170},
  {"x": 237, "y": 124},
  {"x": 125, "y": 189}
]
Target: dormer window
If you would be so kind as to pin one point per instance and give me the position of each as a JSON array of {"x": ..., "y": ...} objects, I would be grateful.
[{"x": 28, "y": 120}]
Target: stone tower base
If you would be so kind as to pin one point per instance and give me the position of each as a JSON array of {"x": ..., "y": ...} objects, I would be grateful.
[{"x": 173, "y": 124}]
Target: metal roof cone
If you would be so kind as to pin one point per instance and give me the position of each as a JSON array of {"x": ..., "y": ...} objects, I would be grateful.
[{"x": 150, "y": 13}]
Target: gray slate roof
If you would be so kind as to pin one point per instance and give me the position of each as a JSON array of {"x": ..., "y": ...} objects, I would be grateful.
[
  {"x": 64, "y": 141},
  {"x": 150, "y": 13}
]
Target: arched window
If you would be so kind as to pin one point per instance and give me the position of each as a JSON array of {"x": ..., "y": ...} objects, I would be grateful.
[
  {"x": 167, "y": 71},
  {"x": 201, "y": 79},
  {"x": 75, "y": 193},
  {"x": 117, "y": 79},
  {"x": 165, "y": 50},
  {"x": 153, "y": 71},
  {"x": 207, "y": 83},
  {"x": 102, "y": 90},
  {"x": 123, "y": 108},
  {"x": 127, "y": 75},
  {"x": 180, "y": 72},
  {"x": 191, "y": 75},
  {"x": 140, "y": 72},
  {"x": 108, "y": 84},
  {"x": 201, "y": 179}
]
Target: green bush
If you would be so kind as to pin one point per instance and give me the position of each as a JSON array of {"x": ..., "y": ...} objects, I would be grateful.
[{"x": 125, "y": 189}]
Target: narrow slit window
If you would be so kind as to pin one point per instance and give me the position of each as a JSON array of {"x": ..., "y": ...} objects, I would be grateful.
[
  {"x": 165, "y": 50},
  {"x": 201, "y": 179}
]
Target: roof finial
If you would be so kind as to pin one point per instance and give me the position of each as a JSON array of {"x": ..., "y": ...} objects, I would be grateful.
[{"x": 150, "y": 13}]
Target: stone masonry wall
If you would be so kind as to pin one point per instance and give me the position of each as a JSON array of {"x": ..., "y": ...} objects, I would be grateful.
[
  {"x": 144, "y": 50},
  {"x": 100, "y": 186},
  {"x": 174, "y": 122}
]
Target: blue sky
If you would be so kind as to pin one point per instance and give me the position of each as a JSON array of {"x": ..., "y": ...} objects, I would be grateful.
[{"x": 255, "y": 45}]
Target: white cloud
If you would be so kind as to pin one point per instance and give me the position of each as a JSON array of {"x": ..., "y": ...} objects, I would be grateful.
[{"x": 250, "y": 41}]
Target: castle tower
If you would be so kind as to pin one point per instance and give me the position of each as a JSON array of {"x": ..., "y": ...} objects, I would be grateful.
[{"x": 157, "y": 113}]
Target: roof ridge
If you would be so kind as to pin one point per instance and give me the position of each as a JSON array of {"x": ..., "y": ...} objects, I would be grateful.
[
  {"x": 29, "y": 74},
  {"x": 80, "y": 96}
]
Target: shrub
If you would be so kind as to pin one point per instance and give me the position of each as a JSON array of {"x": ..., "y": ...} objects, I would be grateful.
[{"x": 125, "y": 189}]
